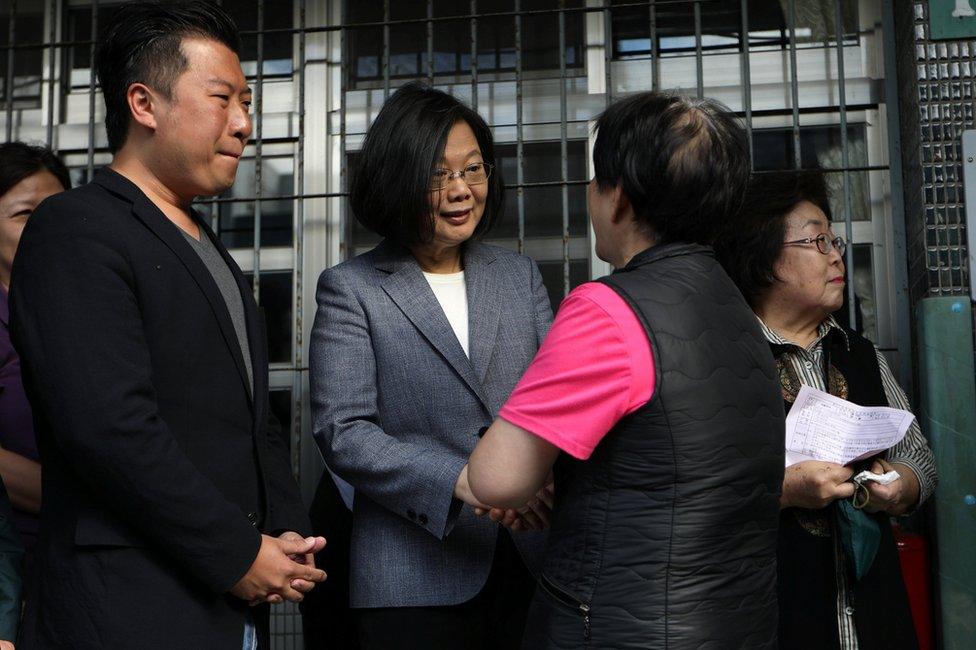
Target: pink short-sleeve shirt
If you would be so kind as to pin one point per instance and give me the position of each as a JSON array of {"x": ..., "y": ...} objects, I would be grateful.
[{"x": 594, "y": 367}]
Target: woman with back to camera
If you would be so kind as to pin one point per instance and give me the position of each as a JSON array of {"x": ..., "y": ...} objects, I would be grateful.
[
  {"x": 785, "y": 257},
  {"x": 415, "y": 346},
  {"x": 654, "y": 401}
]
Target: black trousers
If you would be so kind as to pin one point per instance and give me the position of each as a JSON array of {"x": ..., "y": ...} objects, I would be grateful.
[{"x": 492, "y": 620}]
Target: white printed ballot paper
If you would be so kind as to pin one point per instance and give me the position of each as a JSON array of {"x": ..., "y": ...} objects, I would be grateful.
[{"x": 823, "y": 427}]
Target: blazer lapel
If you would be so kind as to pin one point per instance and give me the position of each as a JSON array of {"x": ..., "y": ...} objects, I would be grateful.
[
  {"x": 168, "y": 232},
  {"x": 484, "y": 306},
  {"x": 408, "y": 288}
]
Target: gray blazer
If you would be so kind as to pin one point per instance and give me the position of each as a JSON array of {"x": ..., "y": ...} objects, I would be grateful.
[{"x": 397, "y": 407}]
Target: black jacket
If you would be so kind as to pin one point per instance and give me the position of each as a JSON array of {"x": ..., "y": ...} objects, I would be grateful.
[
  {"x": 807, "y": 579},
  {"x": 159, "y": 468},
  {"x": 666, "y": 536}
]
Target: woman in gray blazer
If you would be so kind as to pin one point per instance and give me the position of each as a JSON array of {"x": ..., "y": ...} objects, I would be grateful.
[{"x": 415, "y": 346}]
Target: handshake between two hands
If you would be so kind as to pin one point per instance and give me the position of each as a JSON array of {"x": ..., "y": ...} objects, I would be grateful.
[
  {"x": 284, "y": 569},
  {"x": 534, "y": 515}
]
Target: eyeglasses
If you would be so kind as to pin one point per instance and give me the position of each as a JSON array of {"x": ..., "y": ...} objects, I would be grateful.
[
  {"x": 474, "y": 174},
  {"x": 824, "y": 243}
]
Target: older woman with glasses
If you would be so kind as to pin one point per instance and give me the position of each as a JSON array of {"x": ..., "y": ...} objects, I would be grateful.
[
  {"x": 415, "y": 346},
  {"x": 836, "y": 590}
]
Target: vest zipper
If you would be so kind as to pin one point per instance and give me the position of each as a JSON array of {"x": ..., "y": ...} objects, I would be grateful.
[{"x": 567, "y": 599}]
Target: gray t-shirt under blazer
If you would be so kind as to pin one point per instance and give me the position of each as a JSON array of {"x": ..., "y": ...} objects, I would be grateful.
[{"x": 227, "y": 285}]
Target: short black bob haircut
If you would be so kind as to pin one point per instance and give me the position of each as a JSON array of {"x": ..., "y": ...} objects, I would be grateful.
[
  {"x": 750, "y": 248},
  {"x": 19, "y": 160},
  {"x": 682, "y": 163},
  {"x": 389, "y": 192},
  {"x": 141, "y": 43}
]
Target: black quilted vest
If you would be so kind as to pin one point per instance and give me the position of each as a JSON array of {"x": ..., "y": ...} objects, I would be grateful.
[{"x": 666, "y": 536}]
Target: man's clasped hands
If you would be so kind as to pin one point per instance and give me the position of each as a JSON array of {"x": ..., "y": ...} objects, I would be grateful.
[{"x": 284, "y": 569}]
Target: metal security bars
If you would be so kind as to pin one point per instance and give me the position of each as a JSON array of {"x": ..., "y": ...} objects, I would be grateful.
[{"x": 802, "y": 74}]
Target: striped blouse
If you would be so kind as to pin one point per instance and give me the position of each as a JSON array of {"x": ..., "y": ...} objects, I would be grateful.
[{"x": 913, "y": 450}]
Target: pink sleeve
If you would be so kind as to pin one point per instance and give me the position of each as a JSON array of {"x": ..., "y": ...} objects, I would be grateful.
[{"x": 594, "y": 367}]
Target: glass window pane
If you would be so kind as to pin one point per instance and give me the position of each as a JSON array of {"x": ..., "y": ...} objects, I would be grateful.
[
  {"x": 815, "y": 23},
  {"x": 674, "y": 27},
  {"x": 860, "y": 196},
  {"x": 552, "y": 277},
  {"x": 578, "y": 220},
  {"x": 540, "y": 37},
  {"x": 408, "y": 50},
  {"x": 401, "y": 9},
  {"x": 452, "y": 48},
  {"x": 543, "y": 205},
  {"x": 236, "y": 222},
  {"x": 544, "y": 212},
  {"x": 278, "y": 14},
  {"x": 865, "y": 315},
  {"x": 772, "y": 149},
  {"x": 368, "y": 12},
  {"x": 444, "y": 8},
  {"x": 77, "y": 58},
  {"x": 631, "y": 28},
  {"x": 366, "y": 52},
  {"x": 29, "y": 28},
  {"x": 820, "y": 147},
  {"x": 542, "y": 160}
]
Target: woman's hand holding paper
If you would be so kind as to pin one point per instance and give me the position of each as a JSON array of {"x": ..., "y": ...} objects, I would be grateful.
[{"x": 813, "y": 484}]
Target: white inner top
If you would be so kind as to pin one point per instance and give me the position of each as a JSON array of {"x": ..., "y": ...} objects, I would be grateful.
[{"x": 451, "y": 293}]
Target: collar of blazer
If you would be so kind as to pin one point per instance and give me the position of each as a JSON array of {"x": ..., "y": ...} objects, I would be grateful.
[
  {"x": 147, "y": 212},
  {"x": 408, "y": 288}
]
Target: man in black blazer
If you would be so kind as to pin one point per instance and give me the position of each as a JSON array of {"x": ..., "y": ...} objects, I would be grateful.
[{"x": 169, "y": 503}]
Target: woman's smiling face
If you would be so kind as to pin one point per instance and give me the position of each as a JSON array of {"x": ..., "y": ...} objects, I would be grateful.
[{"x": 457, "y": 207}]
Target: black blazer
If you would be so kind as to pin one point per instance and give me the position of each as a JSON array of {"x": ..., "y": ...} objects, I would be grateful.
[{"x": 159, "y": 468}]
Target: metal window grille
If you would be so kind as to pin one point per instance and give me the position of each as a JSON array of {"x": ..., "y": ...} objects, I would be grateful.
[{"x": 801, "y": 73}]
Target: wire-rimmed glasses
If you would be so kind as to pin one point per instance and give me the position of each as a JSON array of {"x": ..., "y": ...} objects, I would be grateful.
[
  {"x": 473, "y": 174},
  {"x": 824, "y": 243}
]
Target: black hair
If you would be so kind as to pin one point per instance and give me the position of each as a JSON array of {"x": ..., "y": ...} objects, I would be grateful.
[
  {"x": 389, "y": 190},
  {"x": 750, "y": 247},
  {"x": 19, "y": 160},
  {"x": 682, "y": 163},
  {"x": 141, "y": 43}
]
